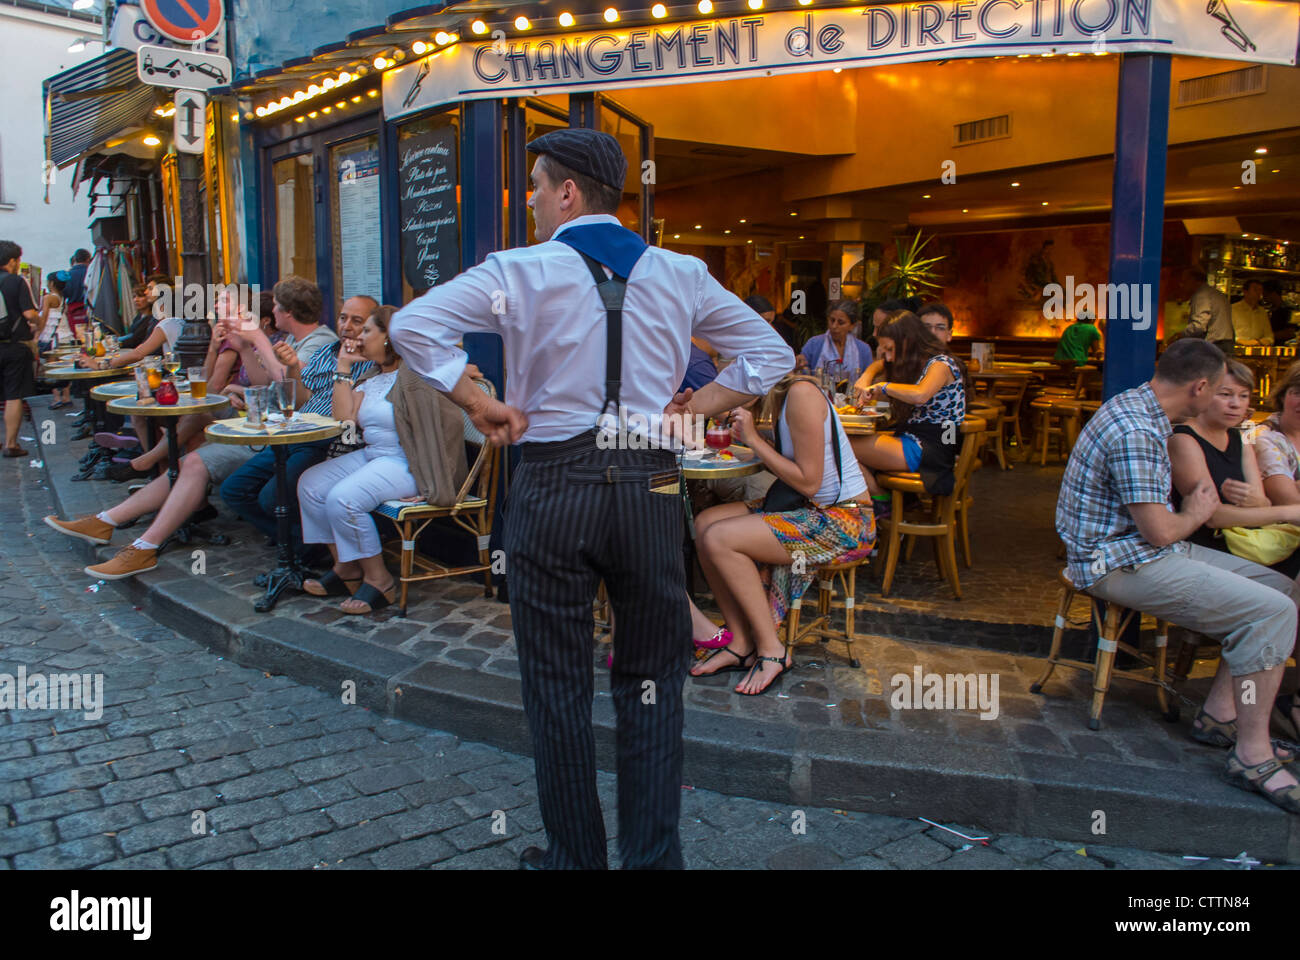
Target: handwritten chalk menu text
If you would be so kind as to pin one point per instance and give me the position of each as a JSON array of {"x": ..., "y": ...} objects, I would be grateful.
[{"x": 427, "y": 178}]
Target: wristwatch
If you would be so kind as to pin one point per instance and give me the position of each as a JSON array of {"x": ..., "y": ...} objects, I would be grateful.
[{"x": 343, "y": 378}]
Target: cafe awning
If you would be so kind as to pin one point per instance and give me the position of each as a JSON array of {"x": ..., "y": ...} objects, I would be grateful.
[{"x": 93, "y": 103}]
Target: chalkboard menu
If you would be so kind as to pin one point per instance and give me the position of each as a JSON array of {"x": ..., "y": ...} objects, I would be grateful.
[{"x": 427, "y": 178}]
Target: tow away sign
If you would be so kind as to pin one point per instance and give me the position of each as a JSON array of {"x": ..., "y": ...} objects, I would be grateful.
[
  {"x": 189, "y": 120},
  {"x": 182, "y": 69}
]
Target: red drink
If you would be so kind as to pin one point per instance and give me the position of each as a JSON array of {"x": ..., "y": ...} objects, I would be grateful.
[
  {"x": 718, "y": 437},
  {"x": 167, "y": 394}
]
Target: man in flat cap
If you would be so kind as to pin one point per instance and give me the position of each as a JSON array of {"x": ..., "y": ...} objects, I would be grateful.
[{"x": 597, "y": 329}]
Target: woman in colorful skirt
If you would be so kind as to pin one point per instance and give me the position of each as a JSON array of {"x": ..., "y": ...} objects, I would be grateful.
[{"x": 759, "y": 561}]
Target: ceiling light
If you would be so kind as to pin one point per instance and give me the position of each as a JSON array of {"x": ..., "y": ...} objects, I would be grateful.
[
  {"x": 76, "y": 46},
  {"x": 341, "y": 104},
  {"x": 299, "y": 119},
  {"x": 611, "y": 15},
  {"x": 705, "y": 6},
  {"x": 699, "y": 226},
  {"x": 749, "y": 241},
  {"x": 1044, "y": 203},
  {"x": 836, "y": 69},
  {"x": 793, "y": 213},
  {"x": 677, "y": 236},
  {"x": 1015, "y": 183},
  {"x": 380, "y": 63},
  {"x": 659, "y": 11},
  {"x": 801, "y": 235},
  {"x": 357, "y": 98},
  {"x": 726, "y": 231},
  {"x": 566, "y": 19},
  {"x": 326, "y": 109},
  {"x": 442, "y": 38},
  {"x": 478, "y": 27},
  {"x": 925, "y": 196},
  {"x": 82, "y": 4},
  {"x": 1261, "y": 149},
  {"x": 521, "y": 23},
  {"x": 299, "y": 96},
  {"x": 419, "y": 47},
  {"x": 743, "y": 220},
  {"x": 261, "y": 111},
  {"x": 313, "y": 114},
  {"x": 964, "y": 210},
  {"x": 313, "y": 90},
  {"x": 372, "y": 93},
  {"x": 327, "y": 83},
  {"x": 804, "y": 3},
  {"x": 151, "y": 141},
  {"x": 756, "y": 4}
]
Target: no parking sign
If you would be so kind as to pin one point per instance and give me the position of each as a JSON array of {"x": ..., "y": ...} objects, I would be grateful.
[{"x": 185, "y": 21}]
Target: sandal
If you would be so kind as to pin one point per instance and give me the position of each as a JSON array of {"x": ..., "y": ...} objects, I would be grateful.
[
  {"x": 1223, "y": 733},
  {"x": 1217, "y": 733},
  {"x": 1246, "y": 777},
  {"x": 372, "y": 598},
  {"x": 742, "y": 663},
  {"x": 758, "y": 665},
  {"x": 330, "y": 585},
  {"x": 1283, "y": 715},
  {"x": 722, "y": 638}
]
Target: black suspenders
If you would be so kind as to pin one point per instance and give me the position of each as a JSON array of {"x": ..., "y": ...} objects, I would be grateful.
[{"x": 611, "y": 290}]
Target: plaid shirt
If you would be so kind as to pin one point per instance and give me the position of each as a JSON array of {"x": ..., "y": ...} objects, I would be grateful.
[
  {"x": 1121, "y": 458},
  {"x": 318, "y": 377}
]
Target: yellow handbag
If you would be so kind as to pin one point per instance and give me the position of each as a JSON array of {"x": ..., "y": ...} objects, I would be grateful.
[{"x": 1264, "y": 545}]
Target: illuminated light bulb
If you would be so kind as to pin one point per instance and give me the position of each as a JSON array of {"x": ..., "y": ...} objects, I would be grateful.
[
  {"x": 261, "y": 111},
  {"x": 743, "y": 220},
  {"x": 362, "y": 70},
  {"x": 1044, "y": 203},
  {"x": 755, "y": 4},
  {"x": 357, "y": 98},
  {"x": 705, "y": 6},
  {"x": 344, "y": 77},
  {"x": 699, "y": 226},
  {"x": 442, "y": 37},
  {"x": 964, "y": 210},
  {"x": 566, "y": 19},
  {"x": 925, "y": 196},
  {"x": 380, "y": 63},
  {"x": 151, "y": 141},
  {"x": 726, "y": 231},
  {"x": 793, "y": 214},
  {"x": 372, "y": 93},
  {"x": 419, "y": 47},
  {"x": 749, "y": 241},
  {"x": 235, "y": 116},
  {"x": 326, "y": 109},
  {"x": 160, "y": 111},
  {"x": 611, "y": 15},
  {"x": 398, "y": 55},
  {"x": 836, "y": 69},
  {"x": 341, "y": 104},
  {"x": 284, "y": 102},
  {"x": 804, "y": 3},
  {"x": 659, "y": 11},
  {"x": 677, "y": 236},
  {"x": 313, "y": 114},
  {"x": 313, "y": 90},
  {"x": 1015, "y": 183},
  {"x": 299, "y": 119},
  {"x": 1261, "y": 150},
  {"x": 521, "y": 23},
  {"x": 478, "y": 27},
  {"x": 327, "y": 83},
  {"x": 299, "y": 96},
  {"x": 453, "y": 38}
]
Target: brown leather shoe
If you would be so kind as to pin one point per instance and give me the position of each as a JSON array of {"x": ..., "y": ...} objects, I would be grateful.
[
  {"x": 127, "y": 563},
  {"x": 90, "y": 529},
  {"x": 15, "y": 452}
]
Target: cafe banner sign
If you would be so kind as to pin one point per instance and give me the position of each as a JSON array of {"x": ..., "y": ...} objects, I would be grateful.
[{"x": 768, "y": 44}]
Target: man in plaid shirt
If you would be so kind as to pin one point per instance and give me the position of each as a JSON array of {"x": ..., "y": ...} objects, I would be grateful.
[{"x": 1125, "y": 544}]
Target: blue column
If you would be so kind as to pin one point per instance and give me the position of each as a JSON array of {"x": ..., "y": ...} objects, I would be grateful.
[
  {"x": 1137, "y": 213},
  {"x": 517, "y": 171},
  {"x": 584, "y": 110},
  {"x": 480, "y": 190}
]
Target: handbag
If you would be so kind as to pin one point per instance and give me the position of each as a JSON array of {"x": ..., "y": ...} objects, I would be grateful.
[
  {"x": 783, "y": 498},
  {"x": 1264, "y": 545}
]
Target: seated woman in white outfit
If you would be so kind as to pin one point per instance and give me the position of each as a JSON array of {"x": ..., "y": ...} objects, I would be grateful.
[{"x": 415, "y": 449}]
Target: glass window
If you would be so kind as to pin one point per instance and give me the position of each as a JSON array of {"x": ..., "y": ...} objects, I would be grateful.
[
  {"x": 354, "y": 218},
  {"x": 295, "y": 215}
]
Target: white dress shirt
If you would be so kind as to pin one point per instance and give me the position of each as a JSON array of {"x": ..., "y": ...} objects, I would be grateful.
[{"x": 543, "y": 302}]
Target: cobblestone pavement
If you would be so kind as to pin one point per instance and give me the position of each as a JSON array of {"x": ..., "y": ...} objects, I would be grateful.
[{"x": 287, "y": 776}]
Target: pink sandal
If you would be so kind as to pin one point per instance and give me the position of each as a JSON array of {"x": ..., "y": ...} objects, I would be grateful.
[{"x": 720, "y": 639}]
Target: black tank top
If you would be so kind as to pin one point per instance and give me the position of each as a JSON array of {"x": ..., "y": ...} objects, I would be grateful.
[{"x": 1223, "y": 465}]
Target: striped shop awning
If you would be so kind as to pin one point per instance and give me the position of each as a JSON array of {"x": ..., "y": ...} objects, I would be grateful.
[{"x": 92, "y": 103}]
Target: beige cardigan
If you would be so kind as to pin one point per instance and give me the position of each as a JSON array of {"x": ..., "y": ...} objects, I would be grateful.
[{"x": 431, "y": 430}]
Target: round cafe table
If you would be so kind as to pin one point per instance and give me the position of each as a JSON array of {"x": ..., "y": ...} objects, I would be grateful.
[
  {"x": 81, "y": 381},
  {"x": 742, "y": 463},
  {"x": 133, "y": 406},
  {"x": 303, "y": 428}
]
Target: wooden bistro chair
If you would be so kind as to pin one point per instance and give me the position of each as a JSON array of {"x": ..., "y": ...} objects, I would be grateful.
[
  {"x": 821, "y": 626},
  {"x": 1007, "y": 389},
  {"x": 475, "y": 504},
  {"x": 942, "y": 523},
  {"x": 992, "y": 440},
  {"x": 1110, "y": 628},
  {"x": 1057, "y": 417}
]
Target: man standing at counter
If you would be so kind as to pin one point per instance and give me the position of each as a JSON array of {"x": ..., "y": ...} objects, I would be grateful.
[
  {"x": 1250, "y": 320},
  {"x": 582, "y": 510},
  {"x": 1209, "y": 313}
]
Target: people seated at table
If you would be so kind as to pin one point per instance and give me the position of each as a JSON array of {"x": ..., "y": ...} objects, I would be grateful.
[
  {"x": 817, "y": 517},
  {"x": 415, "y": 449},
  {"x": 137, "y": 331},
  {"x": 227, "y": 362},
  {"x": 938, "y": 320},
  {"x": 207, "y": 466},
  {"x": 1210, "y": 448},
  {"x": 54, "y": 323},
  {"x": 251, "y": 490},
  {"x": 1125, "y": 546},
  {"x": 1277, "y": 442},
  {"x": 837, "y": 344},
  {"x": 926, "y": 390}
]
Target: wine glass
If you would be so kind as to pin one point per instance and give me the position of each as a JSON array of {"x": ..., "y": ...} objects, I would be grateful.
[
  {"x": 171, "y": 363},
  {"x": 717, "y": 437}
]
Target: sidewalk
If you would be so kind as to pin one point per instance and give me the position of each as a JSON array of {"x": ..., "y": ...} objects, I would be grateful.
[{"x": 830, "y": 738}]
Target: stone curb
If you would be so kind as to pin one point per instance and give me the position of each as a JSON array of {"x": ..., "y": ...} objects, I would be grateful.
[{"x": 1007, "y": 791}]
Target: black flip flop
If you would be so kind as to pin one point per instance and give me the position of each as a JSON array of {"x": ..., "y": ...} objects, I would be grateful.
[
  {"x": 368, "y": 595},
  {"x": 333, "y": 584},
  {"x": 758, "y": 665},
  {"x": 740, "y": 663}
]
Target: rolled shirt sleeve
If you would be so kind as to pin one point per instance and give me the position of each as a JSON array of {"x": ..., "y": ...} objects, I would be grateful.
[
  {"x": 427, "y": 331},
  {"x": 734, "y": 330}
]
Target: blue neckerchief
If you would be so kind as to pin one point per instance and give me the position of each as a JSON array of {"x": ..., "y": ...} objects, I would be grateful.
[{"x": 612, "y": 244}]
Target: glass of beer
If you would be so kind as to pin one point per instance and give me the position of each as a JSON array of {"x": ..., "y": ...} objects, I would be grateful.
[
  {"x": 198, "y": 383},
  {"x": 153, "y": 370}
]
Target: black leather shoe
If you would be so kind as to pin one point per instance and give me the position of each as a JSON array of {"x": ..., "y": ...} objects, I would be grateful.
[{"x": 531, "y": 859}]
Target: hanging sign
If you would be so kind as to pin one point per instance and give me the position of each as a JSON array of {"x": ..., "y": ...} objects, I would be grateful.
[
  {"x": 795, "y": 41},
  {"x": 189, "y": 121}
]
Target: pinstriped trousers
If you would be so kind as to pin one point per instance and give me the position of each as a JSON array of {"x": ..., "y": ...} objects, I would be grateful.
[{"x": 566, "y": 529}]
